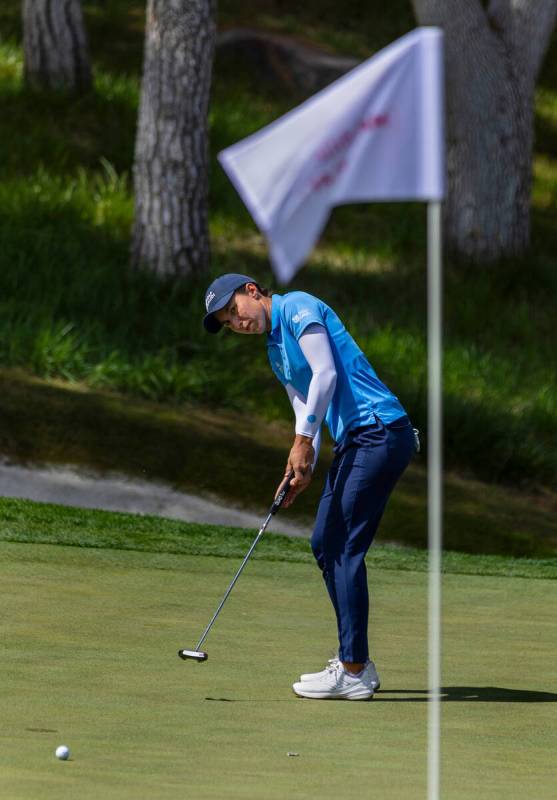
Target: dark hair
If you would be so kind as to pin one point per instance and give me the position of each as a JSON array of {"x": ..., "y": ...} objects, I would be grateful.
[{"x": 265, "y": 292}]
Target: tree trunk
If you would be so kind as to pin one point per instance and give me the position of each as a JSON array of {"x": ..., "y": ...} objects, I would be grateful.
[
  {"x": 55, "y": 45},
  {"x": 171, "y": 233},
  {"x": 492, "y": 59}
]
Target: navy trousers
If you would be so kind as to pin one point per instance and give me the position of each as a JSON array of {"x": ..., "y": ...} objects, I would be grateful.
[{"x": 365, "y": 469}]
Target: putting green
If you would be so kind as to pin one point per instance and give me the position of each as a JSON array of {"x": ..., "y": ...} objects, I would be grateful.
[{"x": 89, "y": 660}]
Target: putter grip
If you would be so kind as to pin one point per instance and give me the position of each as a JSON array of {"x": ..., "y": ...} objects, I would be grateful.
[{"x": 281, "y": 495}]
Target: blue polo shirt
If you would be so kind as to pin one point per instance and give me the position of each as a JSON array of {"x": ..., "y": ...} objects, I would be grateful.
[{"x": 359, "y": 394}]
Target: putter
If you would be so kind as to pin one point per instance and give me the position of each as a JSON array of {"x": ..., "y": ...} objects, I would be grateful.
[{"x": 197, "y": 654}]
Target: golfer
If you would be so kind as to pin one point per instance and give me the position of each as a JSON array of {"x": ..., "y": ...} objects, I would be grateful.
[{"x": 328, "y": 378}]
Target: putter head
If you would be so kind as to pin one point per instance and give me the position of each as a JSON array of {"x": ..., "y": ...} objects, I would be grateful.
[{"x": 197, "y": 655}]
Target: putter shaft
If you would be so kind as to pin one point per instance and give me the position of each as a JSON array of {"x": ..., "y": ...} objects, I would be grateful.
[
  {"x": 197, "y": 654},
  {"x": 242, "y": 565}
]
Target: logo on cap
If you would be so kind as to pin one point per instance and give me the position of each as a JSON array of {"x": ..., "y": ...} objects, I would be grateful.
[{"x": 209, "y": 299}]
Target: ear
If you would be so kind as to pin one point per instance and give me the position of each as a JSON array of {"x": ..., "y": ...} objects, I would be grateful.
[{"x": 253, "y": 291}]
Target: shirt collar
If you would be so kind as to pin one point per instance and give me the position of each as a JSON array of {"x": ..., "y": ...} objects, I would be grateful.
[{"x": 276, "y": 303}]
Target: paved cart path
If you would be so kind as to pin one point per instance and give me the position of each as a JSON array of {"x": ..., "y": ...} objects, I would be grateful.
[{"x": 116, "y": 492}]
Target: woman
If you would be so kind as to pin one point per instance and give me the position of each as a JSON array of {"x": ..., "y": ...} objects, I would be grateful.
[{"x": 327, "y": 377}]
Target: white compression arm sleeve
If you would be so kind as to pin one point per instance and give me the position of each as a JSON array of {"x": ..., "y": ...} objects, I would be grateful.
[
  {"x": 299, "y": 406},
  {"x": 315, "y": 346},
  {"x": 310, "y": 410}
]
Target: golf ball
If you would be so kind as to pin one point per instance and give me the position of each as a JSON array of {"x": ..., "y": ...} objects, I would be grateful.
[{"x": 63, "y": 752}]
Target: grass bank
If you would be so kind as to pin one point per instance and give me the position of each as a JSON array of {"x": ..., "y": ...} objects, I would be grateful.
[
  {"x": 238, "y": 458},
  {"x": 41, "y": 523}
]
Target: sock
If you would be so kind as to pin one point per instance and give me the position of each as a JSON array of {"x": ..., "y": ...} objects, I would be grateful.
[{"x": 355, "y": 674}]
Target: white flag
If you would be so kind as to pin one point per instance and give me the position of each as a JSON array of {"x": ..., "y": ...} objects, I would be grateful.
[{"x": 374, "y": 134}]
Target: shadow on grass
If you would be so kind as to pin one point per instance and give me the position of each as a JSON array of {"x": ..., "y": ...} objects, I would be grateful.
[
  {"x": 483, "y": 694},
  {"x": 73, "y": 131},
  {"x": 189, "y": 448},
  {"x": 450, "y": 694},
  {"x": 222, "y": 699}
]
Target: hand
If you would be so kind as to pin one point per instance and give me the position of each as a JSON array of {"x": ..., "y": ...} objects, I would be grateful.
[{"x": 300, "y": 462}]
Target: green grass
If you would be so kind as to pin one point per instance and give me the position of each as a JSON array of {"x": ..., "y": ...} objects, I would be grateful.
[
  {"x": 42, "y": 523},
  {"x": 71, "y": 309},
  {"x": 89, "y": 660}
]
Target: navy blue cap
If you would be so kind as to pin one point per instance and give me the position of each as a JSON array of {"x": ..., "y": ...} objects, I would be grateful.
[{"x": 218, "y": 294}]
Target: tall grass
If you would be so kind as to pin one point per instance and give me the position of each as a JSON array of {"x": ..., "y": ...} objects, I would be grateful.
[{"x": 71, "y": 308}]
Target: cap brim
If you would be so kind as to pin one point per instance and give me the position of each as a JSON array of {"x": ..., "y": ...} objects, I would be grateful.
[{"x": 211, "y": 323}]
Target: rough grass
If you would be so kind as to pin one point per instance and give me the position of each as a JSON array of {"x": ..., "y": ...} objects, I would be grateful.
[{"x": 43, "y": 523}]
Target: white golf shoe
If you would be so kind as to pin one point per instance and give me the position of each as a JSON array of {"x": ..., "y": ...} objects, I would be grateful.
[
  {"x": 370, "y": 669},
  {"x": 335, "y": 683}
]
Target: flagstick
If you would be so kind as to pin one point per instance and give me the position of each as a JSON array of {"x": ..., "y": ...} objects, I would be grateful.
[{"x": 434, "y": 472}]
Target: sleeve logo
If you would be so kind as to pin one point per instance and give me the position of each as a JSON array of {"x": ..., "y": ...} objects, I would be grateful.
[{"x": 305, "y": 312}]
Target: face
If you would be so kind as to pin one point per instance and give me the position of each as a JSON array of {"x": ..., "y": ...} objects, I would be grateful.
[{"x": 245, "y": 313}]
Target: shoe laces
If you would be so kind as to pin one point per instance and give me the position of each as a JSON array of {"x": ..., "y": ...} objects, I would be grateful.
[{"x": 333, "y": 664}]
